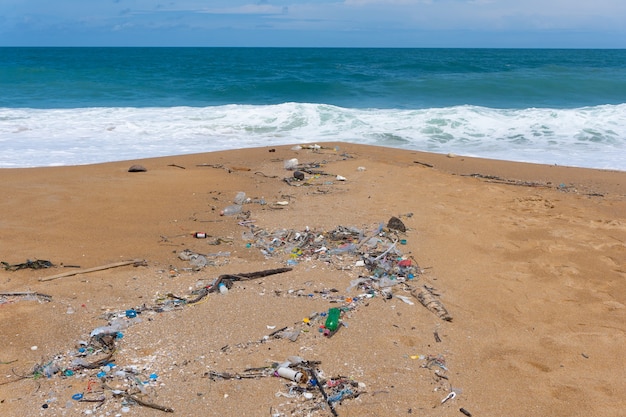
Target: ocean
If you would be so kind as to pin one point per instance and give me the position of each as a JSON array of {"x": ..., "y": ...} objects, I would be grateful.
[{"x": 74, "y": 106}]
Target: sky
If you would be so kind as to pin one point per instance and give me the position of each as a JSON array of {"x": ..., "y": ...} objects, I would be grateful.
[{"x": 315, "y": 23}]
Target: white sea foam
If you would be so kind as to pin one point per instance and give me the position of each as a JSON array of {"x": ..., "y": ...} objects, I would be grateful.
[{"x": 587, "y": 137}]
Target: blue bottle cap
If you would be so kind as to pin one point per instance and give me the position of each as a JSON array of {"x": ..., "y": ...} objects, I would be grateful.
[
  {"x": 77, "y": 397},
  {"x": 131, "y": 314}
]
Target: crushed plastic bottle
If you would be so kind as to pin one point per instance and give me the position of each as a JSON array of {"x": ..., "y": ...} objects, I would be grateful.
[
  {"x": 50, "y": 369},
  {"x": 231, "y": 210},
  {"x": 345, "y": 248},
  {"x": 291, "y": 164},
  {"x": 115, "y": 327},
  {"x": 240, "y": 198}
]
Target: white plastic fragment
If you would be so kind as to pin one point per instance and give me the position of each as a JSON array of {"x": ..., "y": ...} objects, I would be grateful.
[
  {"x": 291, "y": 163},
  {"x": 405, "y": 299}
]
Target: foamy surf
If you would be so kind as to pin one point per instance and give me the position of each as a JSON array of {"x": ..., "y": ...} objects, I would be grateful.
[{"x": 593, "y": 137}]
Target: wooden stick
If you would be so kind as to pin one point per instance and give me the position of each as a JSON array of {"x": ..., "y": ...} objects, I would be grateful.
[
  {"x": 135, "y": 399},
  {"x": 136, "y": 262},
  {"x": 319, "y": 385},
  {"x": 147, "y": 404},
  {"x": 244, "y": 276}
]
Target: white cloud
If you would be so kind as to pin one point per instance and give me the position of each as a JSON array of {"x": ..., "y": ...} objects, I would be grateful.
[{"x": 375, "y": 18}]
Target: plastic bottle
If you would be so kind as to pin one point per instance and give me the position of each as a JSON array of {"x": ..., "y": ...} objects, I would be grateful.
[
  {"x": 240, "y": 198},
  {"x": 332, "y": 320},
  {"x": 292, "y": 374},
  {"x": 223, "y": 288},
  {"x": 345, "y": 248},
  {"x": 231, "y": 210}
]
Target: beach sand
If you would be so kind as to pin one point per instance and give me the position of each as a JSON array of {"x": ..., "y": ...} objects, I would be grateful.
[{"x": 529, "y": 261}]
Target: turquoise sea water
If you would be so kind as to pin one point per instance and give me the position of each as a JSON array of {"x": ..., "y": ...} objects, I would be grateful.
[{"x": 65, "y": 106}]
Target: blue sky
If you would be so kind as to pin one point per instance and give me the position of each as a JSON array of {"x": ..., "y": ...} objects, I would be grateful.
[{"x": 345, "y": 23}]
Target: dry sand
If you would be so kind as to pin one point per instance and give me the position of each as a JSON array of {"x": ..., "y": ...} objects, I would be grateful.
[{"x": 529, "y": 260}]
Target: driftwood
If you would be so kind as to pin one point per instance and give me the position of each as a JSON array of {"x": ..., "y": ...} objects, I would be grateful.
[
  {"x": 500, "y": 180},
  {"x": 246, "y": 276},
  {"x": 44, "y": 297},
  {"x": 142, "y": 403},
  {"x": 425, "y": 296},
  {"x": 135, "y": 262},
  {"x": 423, "y": 164},
  {"x": 229, "y": 278},
  {"x": 313, "y": 373},
  {"x": 135, "y": 399}
]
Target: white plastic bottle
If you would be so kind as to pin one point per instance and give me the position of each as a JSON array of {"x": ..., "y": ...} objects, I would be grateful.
[{"x": 231, "y": 210}]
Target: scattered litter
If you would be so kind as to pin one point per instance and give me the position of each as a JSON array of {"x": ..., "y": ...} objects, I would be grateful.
[
  {"x": 307, "y": 383},
  {"x": 383, "y": 272},
  {"x": 93, "y": 362}
]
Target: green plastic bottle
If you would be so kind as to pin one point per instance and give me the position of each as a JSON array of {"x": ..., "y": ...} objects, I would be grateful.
[{"x": 332, "y": 321}]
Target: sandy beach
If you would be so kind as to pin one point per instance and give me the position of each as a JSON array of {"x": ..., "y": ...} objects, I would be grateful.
[{"x": 528, "y": 261}]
